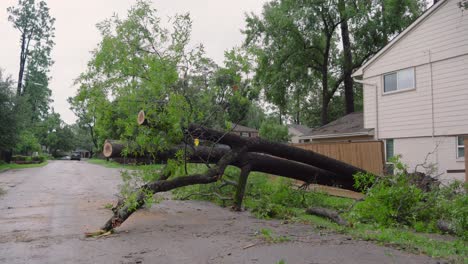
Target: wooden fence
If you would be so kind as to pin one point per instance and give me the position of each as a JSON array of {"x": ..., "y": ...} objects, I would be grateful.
[{"x": 367, "y": 155}]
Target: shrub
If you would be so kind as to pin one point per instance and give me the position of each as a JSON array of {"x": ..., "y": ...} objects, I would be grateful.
[
  {"x": 274, "y": 131},
  {"x": 397, "y": 200}
]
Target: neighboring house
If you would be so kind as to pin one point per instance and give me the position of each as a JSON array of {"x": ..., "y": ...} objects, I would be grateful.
[
  {"x": 244, "y": 131},
  {"x": 347, "y": 128},
  {"x": 295, "y": 131},
  {"x": 416, "y": 91},
  {"x": 84, "y": 153}
]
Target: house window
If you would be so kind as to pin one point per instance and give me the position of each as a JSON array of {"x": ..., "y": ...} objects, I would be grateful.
[
  {"x": 399, "y": 80},
  {"x": 460, "y": 147},
  {"x": 389, "y": 149},
  {"x": 304, "y": 140},
  {"x": 244, "y": 134}
]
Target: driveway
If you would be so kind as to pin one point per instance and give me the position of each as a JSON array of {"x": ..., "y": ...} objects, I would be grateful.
[{"x": 46, "y": 211}]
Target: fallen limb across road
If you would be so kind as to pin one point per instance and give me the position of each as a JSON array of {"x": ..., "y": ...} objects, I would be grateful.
[{"x": 248, "y": 154}]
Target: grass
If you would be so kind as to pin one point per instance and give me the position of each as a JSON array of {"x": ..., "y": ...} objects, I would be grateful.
[
  {"x": 268, "y": 236},
  {"x": 20, "y": 166},
  {"x": 270, "y": 197},
  {"x": 274, "y": 197},
  {"x": 116, "y": 165}
]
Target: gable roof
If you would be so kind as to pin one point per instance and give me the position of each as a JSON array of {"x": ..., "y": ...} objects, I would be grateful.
[
  {"x": 348, "y": 125},
  {"x": 300, "y": 128},
  {"x": 240, "y": 128},
  {"x": 419, "y": 20}
]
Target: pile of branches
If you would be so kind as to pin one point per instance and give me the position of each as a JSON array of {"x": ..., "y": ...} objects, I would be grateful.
[{"x": 224, "y": 149}]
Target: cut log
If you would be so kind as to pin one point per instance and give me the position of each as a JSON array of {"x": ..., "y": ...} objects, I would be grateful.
[
  {"x": 327, "y": 213},
  {"x": 112, "y": 149},
  {"x": 141, "y": 119}
]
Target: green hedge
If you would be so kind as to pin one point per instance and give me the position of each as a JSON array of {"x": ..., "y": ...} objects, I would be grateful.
[{"x": 19, "y": 159}]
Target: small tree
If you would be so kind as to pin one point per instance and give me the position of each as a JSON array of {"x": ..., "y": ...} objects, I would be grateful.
[{"x": 274, "y": 132}]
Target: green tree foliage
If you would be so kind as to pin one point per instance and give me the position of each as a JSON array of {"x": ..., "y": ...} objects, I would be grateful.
[
  {"x": 27, "y": 143},
  {"x": 397, "y": 200},
  {"x": 141, "y": 65},
  {"x": 36, "y": 27},
  {"x": 274, "y": 131},
  {"x": 301, "y": 65},
  {"x": 8, "y": 133}
]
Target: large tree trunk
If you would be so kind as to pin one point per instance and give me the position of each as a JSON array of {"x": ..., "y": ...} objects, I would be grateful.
[
  {"x": 22, "y": 64},
  {"x": 344, "y": 170},
  {"x": 257, "y": 162},
  {"x": 347, "y": 59},
  {"x": 212, "y": 175},
  {"x": 249, "y": 154}
]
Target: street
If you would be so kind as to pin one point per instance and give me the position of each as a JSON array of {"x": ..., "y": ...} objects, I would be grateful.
[{"x": 46, "y": 211}]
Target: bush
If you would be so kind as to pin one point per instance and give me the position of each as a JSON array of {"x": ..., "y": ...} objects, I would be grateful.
[
  {"x": 39, "y": 159},
  {"x": 274, "y": 132},
  {"x": 18, "y": 158},
  {"x": 395, "y": 200}
]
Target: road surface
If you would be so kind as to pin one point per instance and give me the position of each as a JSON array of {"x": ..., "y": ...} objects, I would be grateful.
[{"x": 46, "y": 211}]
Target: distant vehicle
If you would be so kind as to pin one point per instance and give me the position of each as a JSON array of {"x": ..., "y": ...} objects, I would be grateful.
[{"x": 75, "y": 156}]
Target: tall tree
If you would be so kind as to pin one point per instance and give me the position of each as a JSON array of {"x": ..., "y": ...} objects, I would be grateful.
[
  {"x": 295, "y": 42},
  {"x": 8, "y": 131},
  {"x": 37, "y": 32}
]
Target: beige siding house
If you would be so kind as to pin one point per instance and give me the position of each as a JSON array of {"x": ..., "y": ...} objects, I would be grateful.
[
  {"x": 416, "y": 91},
  {"x": 296, "y": 131}
]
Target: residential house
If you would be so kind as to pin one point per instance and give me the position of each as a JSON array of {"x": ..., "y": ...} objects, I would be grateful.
[
  {"x": 416, "y": 91},
  {"x": 296, "y": 130},
  {"x": 244, "y": 131},
  {"x": 347, "y": 128}
]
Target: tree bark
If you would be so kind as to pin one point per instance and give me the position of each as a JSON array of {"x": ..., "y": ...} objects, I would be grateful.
[
  {"x": 212, "y": 175},
  {"x": 343, "y": 170},
  {"x": 347, "y": 59},
  {"x": 240, "y": 191},
  {"x": 257, "y": 162},
  {"x": 327, "y": 213}
]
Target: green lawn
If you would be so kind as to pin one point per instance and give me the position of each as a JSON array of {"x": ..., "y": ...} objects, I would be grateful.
[
  {"x": 116, "y": 165},
  {"x": 273, "y": 197},
  {"x": 20, "y": 166}
]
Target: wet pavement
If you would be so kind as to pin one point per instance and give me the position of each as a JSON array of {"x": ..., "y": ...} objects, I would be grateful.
[{"x": 46, "y": 211}]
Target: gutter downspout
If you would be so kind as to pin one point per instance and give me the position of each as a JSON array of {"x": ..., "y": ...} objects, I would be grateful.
[
  {"x": 432, "y": 108},
  {"x": 376, "y": 105}
]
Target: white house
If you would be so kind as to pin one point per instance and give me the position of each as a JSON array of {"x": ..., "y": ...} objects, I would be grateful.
[
  {"x": 296, "y": 131},
  {"x": 416, "y": 91}
]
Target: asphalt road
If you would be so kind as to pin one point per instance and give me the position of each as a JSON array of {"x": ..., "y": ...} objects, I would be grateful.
[{"x": 46, "y": 211}]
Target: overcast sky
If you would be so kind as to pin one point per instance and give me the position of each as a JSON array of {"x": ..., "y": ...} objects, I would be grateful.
[{"x": 216, "y": 24}]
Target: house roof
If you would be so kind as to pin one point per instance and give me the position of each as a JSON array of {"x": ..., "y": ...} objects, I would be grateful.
[
  {"x": 427, "y": 13},
  {"x": 240, "y": 128},
  {"x": 348, "y": 125},
  {"x": 300, "y": 128}
]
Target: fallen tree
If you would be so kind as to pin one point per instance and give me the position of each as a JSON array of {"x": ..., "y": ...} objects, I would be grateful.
[{"x": 248, "y": 154}]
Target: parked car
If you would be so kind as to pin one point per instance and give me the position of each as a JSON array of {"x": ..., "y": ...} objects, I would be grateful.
[{"x": 75, "y": 156}]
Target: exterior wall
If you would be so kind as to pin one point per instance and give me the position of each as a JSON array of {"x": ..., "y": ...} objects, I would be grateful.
[
  {"x": 294, "y": 135},
  {"x": 435, "y": 111},
  {"x": 437, "y": 106},
  {"x": 443, "y": 33},
  {"x": 251, "y": 134},
  {"x": 294, "y": 139},
  {"x": 440, "y": 151}
]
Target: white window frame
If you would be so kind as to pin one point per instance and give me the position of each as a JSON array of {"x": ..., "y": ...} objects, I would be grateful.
[
  {"x": 244, "y": 134},
  {"x": 398, "y": 90},
  {"x": 460, "y": 146}
]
